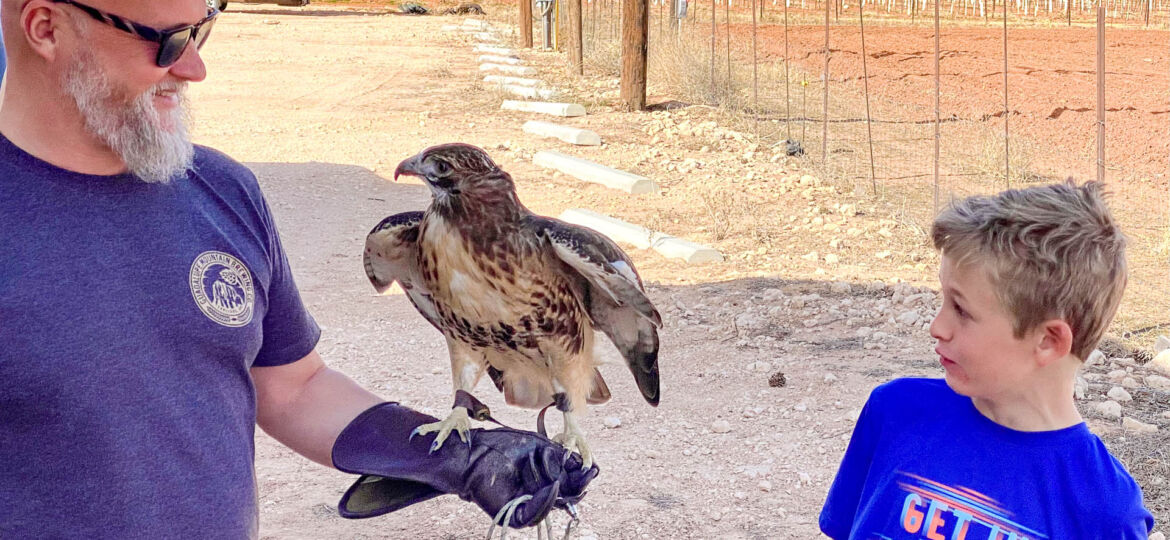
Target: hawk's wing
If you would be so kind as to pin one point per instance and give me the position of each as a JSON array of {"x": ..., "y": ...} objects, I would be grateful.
[
  {"x": 608, "y": 287},
  {"x": 392, "y": 255}
]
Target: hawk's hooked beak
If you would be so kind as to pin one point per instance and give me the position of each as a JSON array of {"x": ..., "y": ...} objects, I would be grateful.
[{"x": 409, "y": 167}]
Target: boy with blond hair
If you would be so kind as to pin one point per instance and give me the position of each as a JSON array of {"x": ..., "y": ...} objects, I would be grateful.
[{"x": 1030, "y": 280}]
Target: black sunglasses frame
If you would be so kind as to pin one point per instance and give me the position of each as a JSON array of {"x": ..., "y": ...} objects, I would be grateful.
[{"x": 171, "y": 43}]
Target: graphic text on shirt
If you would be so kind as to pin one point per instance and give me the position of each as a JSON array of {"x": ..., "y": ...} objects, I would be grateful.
[
  {"x": 222, "y": 288},
  {"x": 936, "y": 511}
]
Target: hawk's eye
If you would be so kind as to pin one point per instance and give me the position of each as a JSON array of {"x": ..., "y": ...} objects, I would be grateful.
[{"x": 439, "y": 168}]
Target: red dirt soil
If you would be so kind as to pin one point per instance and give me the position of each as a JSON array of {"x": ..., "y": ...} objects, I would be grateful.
[{"x": 1051, "y": 85}]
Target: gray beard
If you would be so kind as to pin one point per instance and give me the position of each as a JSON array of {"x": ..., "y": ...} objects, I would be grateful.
[{"x": 135, "y": 130}]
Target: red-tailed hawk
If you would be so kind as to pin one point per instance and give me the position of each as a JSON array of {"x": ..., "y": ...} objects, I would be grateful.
[{"x": 516, "y": 294}]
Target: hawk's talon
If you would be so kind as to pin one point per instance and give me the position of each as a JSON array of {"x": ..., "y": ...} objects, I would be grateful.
[{"x": 457, "y": 421}]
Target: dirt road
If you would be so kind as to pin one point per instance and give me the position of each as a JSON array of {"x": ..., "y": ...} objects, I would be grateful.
[{"x": 323, "y": 103}]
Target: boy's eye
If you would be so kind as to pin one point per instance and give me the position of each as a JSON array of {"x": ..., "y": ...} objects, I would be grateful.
[{"x": 959, "y": 310}]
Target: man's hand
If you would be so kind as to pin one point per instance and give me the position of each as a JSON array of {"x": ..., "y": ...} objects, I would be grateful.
[{"x": 503, "y": 471}]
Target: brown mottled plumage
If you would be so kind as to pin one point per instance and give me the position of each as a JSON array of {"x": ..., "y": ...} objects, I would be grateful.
[{"x": 516, "y": 295}]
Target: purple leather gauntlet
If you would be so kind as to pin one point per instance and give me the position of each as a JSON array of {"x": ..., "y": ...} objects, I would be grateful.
[{"x": 498, "y": 466}]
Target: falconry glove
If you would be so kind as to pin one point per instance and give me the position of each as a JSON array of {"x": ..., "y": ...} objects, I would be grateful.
[{"x": 504, "y": 471}]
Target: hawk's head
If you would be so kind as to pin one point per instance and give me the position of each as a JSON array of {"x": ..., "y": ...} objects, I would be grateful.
[{"x": 461, "y": 176}]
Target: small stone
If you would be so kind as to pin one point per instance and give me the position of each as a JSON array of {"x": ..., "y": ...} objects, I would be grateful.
[
  {"x": 765, "y": 486},
  {"x": 832, "y": 259},
  {"x": 909, "y": 318},
  {"x": 1118, "y": 393},
  {"x": 800, "y": 407},
  {"x": 1157, "y": 536},
  {"x": 760, "y": 367},
  {"x": 1129, "y": 382},
  {"x": 613, "y": 422},
  {"x": 841, "y": 287},
  {"x": 805, "y": 478},
  {"x": 720, "y": 426},
  {"x": 1161, "y": 363},
  {"x": 1117, "y": 374},
  {"x": 830, "y": 378},
  {"x": 437, "y": 371},
  {"x": 864, "y": 332},
  {"x": 1080, "y": 387},
  {"x": 1131, "y": 424},
  {"x": 777, "y": 380},
  {"x": 739, "y": 495},
  {"x": 1158, "y": 382},
  {"x": 1095, "y": 358},
  {"x": 1161, "y": 344},
  {"x": 1108, "y": 409}
]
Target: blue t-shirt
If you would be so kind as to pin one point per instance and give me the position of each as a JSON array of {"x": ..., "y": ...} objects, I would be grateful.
[
  {"x": 924, "y": 463},
  {"x": 130, "y": 314}
]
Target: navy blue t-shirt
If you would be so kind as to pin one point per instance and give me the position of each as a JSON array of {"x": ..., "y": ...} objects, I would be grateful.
[
  {"x": 130, "y": 314},
  {"x": 924, "y": 463}
]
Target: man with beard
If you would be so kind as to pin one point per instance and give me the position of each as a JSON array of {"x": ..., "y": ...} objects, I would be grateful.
[{"x": 128, "y": 397}]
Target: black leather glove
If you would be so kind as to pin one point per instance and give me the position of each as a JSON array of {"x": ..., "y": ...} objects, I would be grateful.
[{"x": 496, "y": 467}]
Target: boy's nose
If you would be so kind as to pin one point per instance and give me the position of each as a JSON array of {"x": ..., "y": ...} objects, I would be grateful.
[{"x": 937, "y": 327}]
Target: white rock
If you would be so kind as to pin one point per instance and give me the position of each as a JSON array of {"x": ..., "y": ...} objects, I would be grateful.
[
  {"x": 1131, "y": 424},
  {"x": 909, "y": 318},
  {"x": 864, "y": 332},
  {"x": 613, "y": 422},
  {"x": 1117, "y": 374},
  {"x": 805, "y": 478},
  {"x": 830, "y": 378},
  {"x": 1161, "y": 344},
  {"x": 1158, "y": 382},
  {"x": 720, "y": 426},
  {"x": 1129, "y": 382},
  {"x": 832, "y": 259},
  {"x": 841, "y": 287},
  {"x": 1161, "y": 363},
  {"x": 1157, "y": 536},
  {"x": 765, "y": 486},
  {"x": 1080, "y": 387},
  {"x": 1096, "y": 357},
  {"x": 760, "y": 367},
  {"x": 1118, "y": 393},
  {"x": 1108, "y": 409},
  {"x": 750, "y": 324}
]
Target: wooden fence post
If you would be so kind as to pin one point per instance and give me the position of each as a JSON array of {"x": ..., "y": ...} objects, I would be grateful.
[{"x": 635, "y": 26}]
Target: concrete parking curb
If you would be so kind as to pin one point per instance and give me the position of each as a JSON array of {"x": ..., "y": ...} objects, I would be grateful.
[
  {"x": 596, "y": 173},
  {"x": 641, "y": 237},
  {"x": 555, "y": 109},
  {"x": 515, "y": 70},
  {"x": 571, "y": 135},
  {"x": 505, "y": 79}
]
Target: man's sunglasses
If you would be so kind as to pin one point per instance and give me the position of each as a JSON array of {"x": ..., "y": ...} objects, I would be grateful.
[{"x": 171, "y": 43}]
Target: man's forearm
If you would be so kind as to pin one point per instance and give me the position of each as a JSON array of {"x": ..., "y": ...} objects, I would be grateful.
[{"x": 307, "y": 416}]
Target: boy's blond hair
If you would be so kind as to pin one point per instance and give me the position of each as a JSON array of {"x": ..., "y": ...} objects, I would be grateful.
[{"x": 1051, "y": 252}]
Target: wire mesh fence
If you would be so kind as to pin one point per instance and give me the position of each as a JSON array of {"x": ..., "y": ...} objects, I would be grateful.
[{"x": 1015, "y": 100}]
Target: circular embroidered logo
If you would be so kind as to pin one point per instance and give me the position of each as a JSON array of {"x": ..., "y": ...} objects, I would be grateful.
[{"x": 222, "y": 287}]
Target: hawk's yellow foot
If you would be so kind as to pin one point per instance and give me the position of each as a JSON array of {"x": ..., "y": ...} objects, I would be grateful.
[
  {"x": 573, "y": 439},
  {"x": 458, "y": 421}
]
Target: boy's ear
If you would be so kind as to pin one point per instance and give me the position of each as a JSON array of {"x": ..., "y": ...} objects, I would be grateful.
[{"x": 1056, "y": 339}]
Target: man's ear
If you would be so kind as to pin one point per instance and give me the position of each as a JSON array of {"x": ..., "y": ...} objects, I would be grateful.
[
  {"x": 42, "y": 26},
  {"x": 1055, "y": 343}
]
